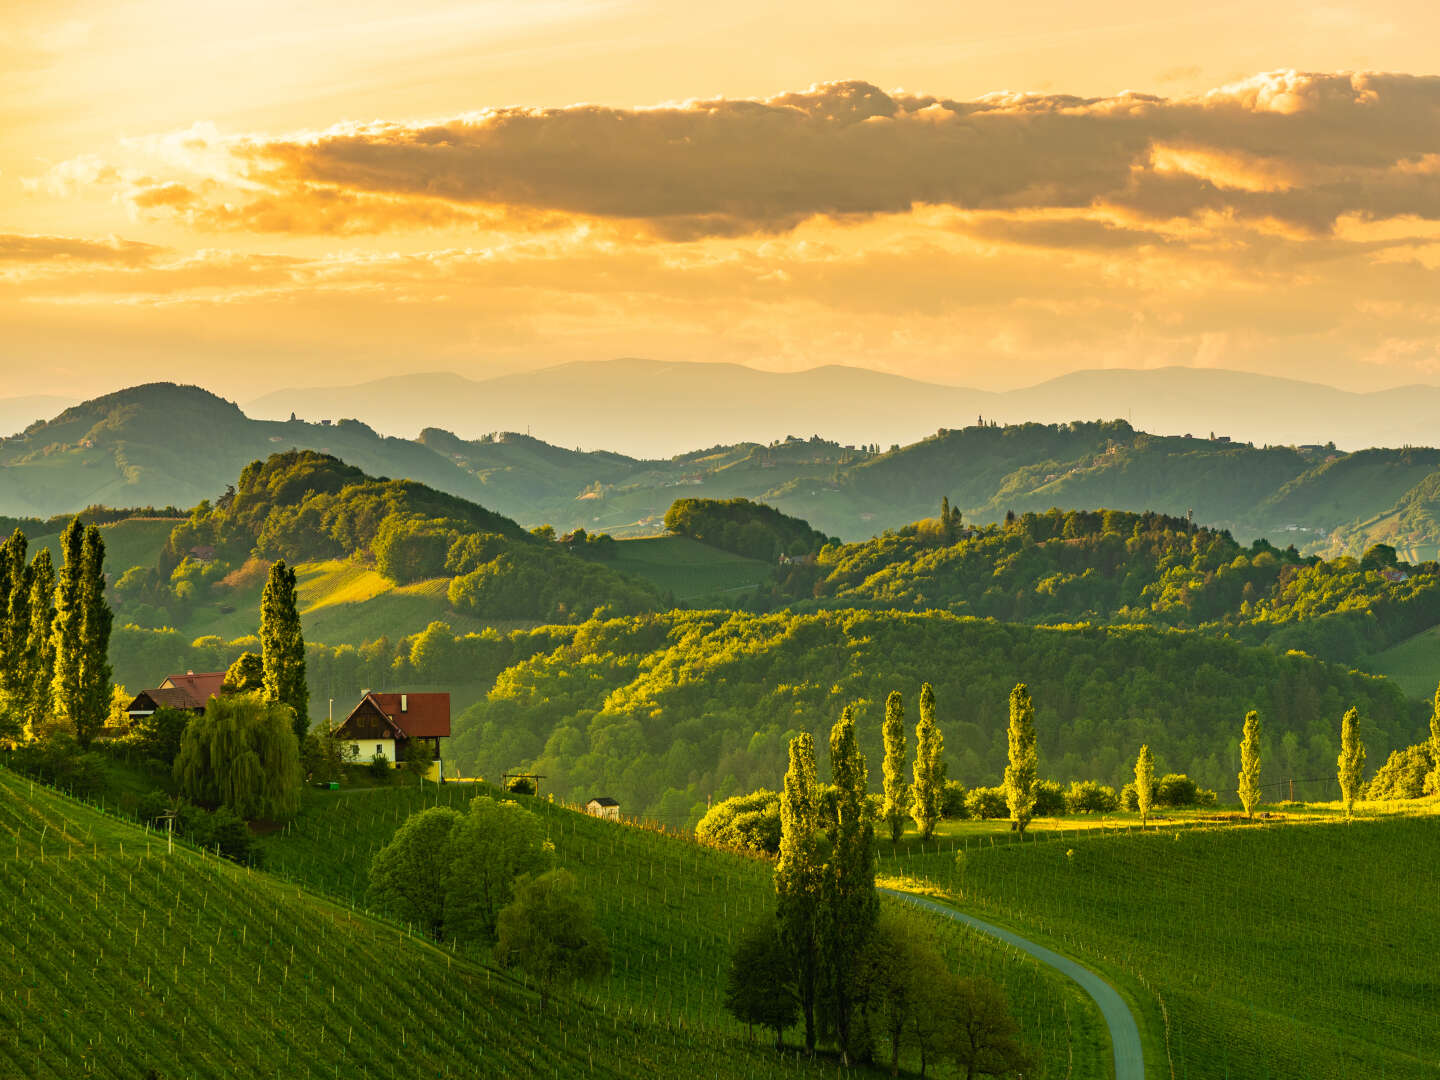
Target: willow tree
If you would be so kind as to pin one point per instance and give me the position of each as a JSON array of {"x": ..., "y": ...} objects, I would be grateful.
[
  {"x": 282, "y": 646},
  {"x": 1351, "y": 763},
  {"x": 897, "y": 791},
  {"x": 1144, "y": 784},
  {"x": 242, "y": 753},
  {"x": 929, "y": 785},
  {"x": 799, "y": 876},
  {"x": 850, "y": 903},
  {"x": 1024, "y": 765},
  {"x": 1249, "y": 790}
]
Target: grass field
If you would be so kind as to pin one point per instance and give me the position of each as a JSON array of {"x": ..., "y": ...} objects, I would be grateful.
[
  {"x": 125, "y": 961},
  {"x": 687, "y": 568},
  {"x": 132, "y": 542},
  {"x": 1302, "y": 951},
  {"x": 671, "y": 909},
  {"x": 1413, "y": 664}
]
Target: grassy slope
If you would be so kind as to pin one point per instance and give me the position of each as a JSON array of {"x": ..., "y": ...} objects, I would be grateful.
[
  {"x": 670, "y": 907},
  {"x": 687, "y": 568},
  {"x": 1302, "y": 951},
  {"x": 1413, "y": 664},
  {"x": 132, "y": 542},
  {"x": 125, "y": 959}
]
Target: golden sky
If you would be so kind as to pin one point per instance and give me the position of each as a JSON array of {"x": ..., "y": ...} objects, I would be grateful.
[{"x": 265, "y": 194}]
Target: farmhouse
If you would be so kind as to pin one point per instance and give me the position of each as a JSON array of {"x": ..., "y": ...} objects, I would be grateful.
[
  {"x": 387, "y": 724},
  {"x": 189, "y": 692},
  {"x": 603, "y": 806}
]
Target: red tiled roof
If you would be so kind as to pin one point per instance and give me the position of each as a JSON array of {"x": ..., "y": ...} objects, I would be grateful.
[
  {"x": 199, "y": 687},
  {"x": 425, "y": 715}
]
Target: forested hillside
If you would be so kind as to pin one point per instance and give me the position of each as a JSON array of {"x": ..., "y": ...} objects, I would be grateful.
[
  {"x": 662, "y": 710},
  {"x": 1112, "y": 566}
]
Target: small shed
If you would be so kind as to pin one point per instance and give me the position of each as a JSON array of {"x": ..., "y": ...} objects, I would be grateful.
[{"x": 602, "y": 806}]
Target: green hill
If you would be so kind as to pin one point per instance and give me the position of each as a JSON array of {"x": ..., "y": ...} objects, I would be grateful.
[
  {"x": 127, "y": 961},
  {"x": 671, "y": 908},
  {"x": 1300, "y": 952},
  {"x": 663, "y": 711},
  {"x": 1411, "y": 525}
]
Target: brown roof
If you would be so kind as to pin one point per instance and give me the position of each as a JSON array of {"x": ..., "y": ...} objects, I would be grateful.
[
  {"x": 198, "y": 687},
  {"x": 425, "y": 716}
]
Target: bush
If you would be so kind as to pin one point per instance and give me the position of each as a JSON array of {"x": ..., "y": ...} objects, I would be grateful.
[
  {"x": 1129, "y": 797},
  {"x": 1091, "y": 797},
  {"x": 745, "y": 821},
  {"x": 158, "y": 735},
  {"x": 56, "y": 760},
  {"x": 1403, "y": 774},
  {"x": 379, "y": 767},
  {"x": 952, "y": 800},
  {"x": 1049, "y": 799},
  {"x": 1204, "y": 797},
  {"x": 1175, "y": 789},
  {"x": 986, "y": 802}
]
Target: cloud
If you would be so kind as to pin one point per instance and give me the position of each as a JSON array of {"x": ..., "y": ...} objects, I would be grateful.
[
  {"x": 21, "y": 248},
  {"x": 1303, "y": 149}
]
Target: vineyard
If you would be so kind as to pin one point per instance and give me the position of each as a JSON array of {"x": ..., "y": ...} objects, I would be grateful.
[
  {"x": 119, "y": 958},
  {"x": 1303, "y": 951},
  {"x": 671, "y": 908}
]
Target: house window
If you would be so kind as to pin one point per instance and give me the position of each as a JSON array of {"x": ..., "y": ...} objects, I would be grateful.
[{"x": 379, "y": 750}]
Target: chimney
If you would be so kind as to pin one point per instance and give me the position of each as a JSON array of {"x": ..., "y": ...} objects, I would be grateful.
[
  {"x": 189, "y": 673},
  {"x": 404, "y": 702}
]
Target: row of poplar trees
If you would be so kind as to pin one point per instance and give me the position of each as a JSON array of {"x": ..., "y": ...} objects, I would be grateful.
[
  {"x": 920, "y": 799},
  {"x": 54, "y": 637}
]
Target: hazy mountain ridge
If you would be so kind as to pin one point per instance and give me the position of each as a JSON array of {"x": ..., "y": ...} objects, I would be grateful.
[{"x": 658, "y": 408}]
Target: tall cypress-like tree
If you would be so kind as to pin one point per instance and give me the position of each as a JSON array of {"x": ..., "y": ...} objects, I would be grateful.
[
  {"x": 40, "y": 650},
  {"x": 95, "y": 622},
  {"x": 897, "y": 791},
  {"x": 851, "y": 904},
  {"x": 14, "y": 634},
  {"x": 1351, "y": 763},
  {"x": 799, "y": 876},
  {"x": 1022, "y": 771},
  {"x": 1144, "y": 784},
  {"x": 66, "y": 694},
  {"x": 929, "y": 785},
  {"x": 1249, "y": 790},
  {"x": 282, "y": 646},
  {"x": 1435, "y": 730}
]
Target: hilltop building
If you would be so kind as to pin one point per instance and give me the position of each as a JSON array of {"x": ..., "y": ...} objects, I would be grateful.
[
  {"x": 603, "y": 806},
  {"x": 386, "y": 725}
]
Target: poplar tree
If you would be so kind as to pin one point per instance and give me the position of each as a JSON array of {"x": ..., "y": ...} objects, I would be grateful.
[
  {"x": 65, "y": 690},
  {"x": 14, "y": 634},
  {"x": 799, "y": 876},
  {"x": 282, "y": 646},
  {"x": 929, "y": 785},
  {"x": 1144, "y": 784},
  {"x": 1351, "y": 762},
  {"x": 1021, "y": 772},
  {"x": 897, "y": 791},
  {"x": 40, "y": 649},
  {"x": 851, "y": 904},
  {"x": 1249, "y": 790},
  {"x": 95, "y": 623}
]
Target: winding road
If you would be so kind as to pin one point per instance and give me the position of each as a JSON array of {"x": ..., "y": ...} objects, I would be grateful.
[{"x": 1124, "y": 1034}]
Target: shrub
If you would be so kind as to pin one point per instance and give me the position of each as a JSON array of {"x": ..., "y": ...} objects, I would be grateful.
[
  {"x": 1204, "y": 797},
  {"x": 1049, "y": 799},
  {"x": 1130, "y": 797},
  {"x": 379, "y": 767},
  {"x": 57, "y": 760},
  {"x": 1175, "y": 789},
  {"x": 1091, "y": 797},
  {"x": 1403, "y": 774},
  {"x": 952, "y": 800},
  {"x": 986, "y": 802},
  {"x": 745, "y": 821}
]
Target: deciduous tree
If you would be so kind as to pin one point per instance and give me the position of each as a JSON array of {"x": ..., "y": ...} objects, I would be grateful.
[
  {"x": 928, "y": 789},
  {"x": 799, "y": 876},
  {"x": 243, "y": 753},
  {"x": 282, "y": 646},
  {"x": 549, "y": 932},
  {"x": 411, "y": 876},
  {"x": 897, "y": 791},
  {"x": 759, "y": 984},
  {"x": 1249, "y": 790},
  {"x": 492, "y": 846},
  {"x": 1020, "y": 773},
  {"x": 1144, "y": 784},
  {"x": 984, "y": 1039},
  {"x": 95, "y": 623},
  {"x": 66, "y": 692},
  {"x": 1351, "y": 763}
]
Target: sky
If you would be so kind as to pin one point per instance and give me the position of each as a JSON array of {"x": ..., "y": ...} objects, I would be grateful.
[{"x": 261, "y": 195}]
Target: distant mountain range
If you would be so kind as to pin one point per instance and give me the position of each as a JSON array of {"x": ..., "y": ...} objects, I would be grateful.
[
  {"x": 656, "y": 409},
  {"x": 163, "y": 444}
]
